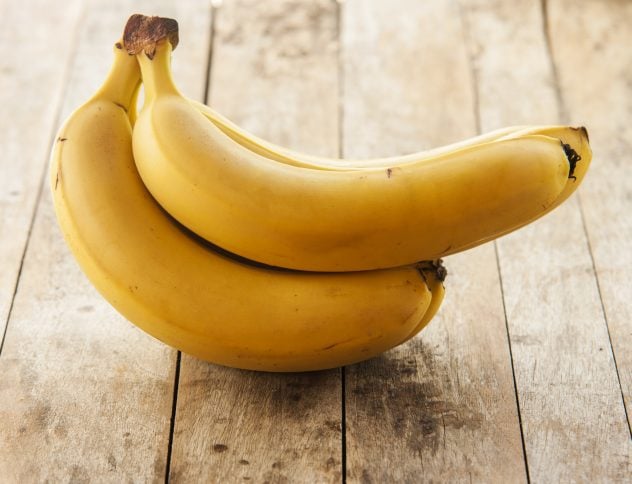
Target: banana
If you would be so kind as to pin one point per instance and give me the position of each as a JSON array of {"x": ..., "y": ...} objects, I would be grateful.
[
  {"x": 182, "y": 291},
  {"x": 284, "y": 155},
  {"x": 334, "y": 220},
  {"x": 570, "y": 136}
]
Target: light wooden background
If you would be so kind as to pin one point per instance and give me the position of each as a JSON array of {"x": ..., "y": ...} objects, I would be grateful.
[{"x": 525, "y": 375}]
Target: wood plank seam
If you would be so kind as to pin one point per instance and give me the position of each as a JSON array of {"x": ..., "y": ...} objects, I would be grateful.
[
  {"x": 603, "y": 312},
  {"x": 209, "y": 62},
  {"x": 341, "y": 113},
  {"x": 176, "y": 383},
  {"x": 477, "y": 117},
  {"x": 172, "y": 422},
  {"x": 343, "y": 426},
  {"x": 546, "y": 30},
  {"x": 59, "y": 101},
  {"x": 341, "y": 93},
  {"x": 564, "y": 117},
  {"x": 511, "y": 358},
  {"x": 476, "y": 102}
]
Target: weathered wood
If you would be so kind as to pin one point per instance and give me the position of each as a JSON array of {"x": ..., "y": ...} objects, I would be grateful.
[
  {"x": 442, "y": 407},
  {"x": 30, "y": 64},
  {"x": 85, "y": 394},
  {"x": 235, "y": 425},
  {"x": 508, "y": 53},
  {"x": 591, "y": 49},
  {"x": 275, "y": 73},
  {"x": 567, "y": 385},
  {"x": 406, "y": 84}
]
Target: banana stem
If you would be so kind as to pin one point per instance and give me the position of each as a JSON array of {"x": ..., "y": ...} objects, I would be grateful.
[
  {"x": 151, "y": 40},
  {"x": 122, "y": 80},
  {"x": 143, "y": 34}
]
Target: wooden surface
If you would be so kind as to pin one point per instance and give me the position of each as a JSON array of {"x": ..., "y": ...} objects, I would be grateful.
[{"x": 525, "y": 374}]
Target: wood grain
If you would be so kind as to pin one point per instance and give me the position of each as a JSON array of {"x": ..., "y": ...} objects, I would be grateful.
[
  {"x": 573, "y": 421},
  {"x": 85, "y": 396},
  {"x": 275, "y": 70},
  {"x": 234, "y": 425},
  {"x": 395, "y": 55},
  {"x": 591, "y": 49},
  {"x": 442, "y": 407},
  {"x": 31, "y": 80},
  {"x": 275, "y": 73},
  {"x": 90, "y": 396}
]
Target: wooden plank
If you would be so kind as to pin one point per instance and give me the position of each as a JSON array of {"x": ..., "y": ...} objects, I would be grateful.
[
  {"x": 234, "y": 425},
  {"x": 276, "y": 71},
  {"x": 565, "y": 375},
  {"x": 28, "y": 66},
  {"x": 442, "y": 407},
  {"x": 598, "y": 35},
  {"x": 89, "y": 395},
  {"x": 270, "y": 62},
  {"x": 405, "y": 88}
]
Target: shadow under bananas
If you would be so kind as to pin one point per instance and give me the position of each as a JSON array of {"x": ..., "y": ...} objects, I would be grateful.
[{"x": 406, "y": 395}]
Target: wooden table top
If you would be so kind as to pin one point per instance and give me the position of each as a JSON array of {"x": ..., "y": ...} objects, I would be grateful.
[{"x": 525, "y": 374}]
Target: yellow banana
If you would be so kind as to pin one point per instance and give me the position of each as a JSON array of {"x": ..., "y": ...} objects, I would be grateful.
[
  {"x": 334, "y": 220},
  {"x": 434, "y": 276},
  {"x": 576, "y": 137},
  {"x": 180, "y": 290}
]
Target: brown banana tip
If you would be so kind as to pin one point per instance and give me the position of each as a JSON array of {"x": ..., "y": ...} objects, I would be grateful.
[
  {"x": 143, "y": 34},
  {"x": 440, "y": 271},
  {"x": 573, "y": 157},
  {"x": 434, "y": 266},
  {"x": 584, "y": 132}
]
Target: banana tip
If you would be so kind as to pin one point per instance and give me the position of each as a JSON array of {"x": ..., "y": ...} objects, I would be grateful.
[
  {"x": 435, "y": 267},
  {"x": 584, "y": 132}
]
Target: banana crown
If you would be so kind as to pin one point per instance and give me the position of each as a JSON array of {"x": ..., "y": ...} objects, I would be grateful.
[{"x": 151, "y": 40}]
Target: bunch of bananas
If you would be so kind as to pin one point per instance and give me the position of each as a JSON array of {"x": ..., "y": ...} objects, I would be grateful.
[{"x": 251, "y": 255}]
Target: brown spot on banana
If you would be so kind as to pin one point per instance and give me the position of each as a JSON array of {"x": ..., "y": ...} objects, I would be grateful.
[
  {"x": 122, "y": 106},
  {"x": 573, "y": 158}
]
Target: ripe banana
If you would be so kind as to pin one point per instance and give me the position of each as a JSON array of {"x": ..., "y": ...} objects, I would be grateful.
[
  {"x": 570, "y": 136},
  {"x": 335, "y": 220},
  {"x": 285, "y": 155},
  {"x": 182, "y": 291}
]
